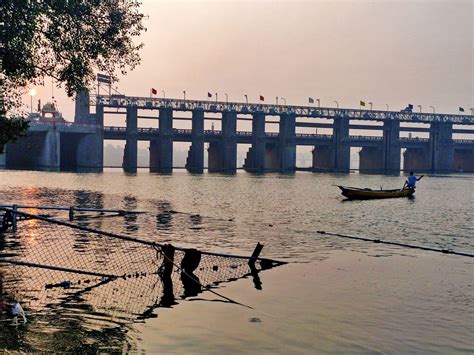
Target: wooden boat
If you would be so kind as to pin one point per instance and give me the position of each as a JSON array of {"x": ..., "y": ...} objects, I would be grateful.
[{"x": 354, "y": 193}]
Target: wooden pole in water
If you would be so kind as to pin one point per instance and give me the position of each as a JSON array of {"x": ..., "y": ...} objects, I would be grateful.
[{"x": 256, "y": 253}]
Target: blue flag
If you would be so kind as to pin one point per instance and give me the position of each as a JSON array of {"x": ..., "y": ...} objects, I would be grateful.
[
  {"x": 311, "y": 100},
  {"x": 209, "y": 94}
]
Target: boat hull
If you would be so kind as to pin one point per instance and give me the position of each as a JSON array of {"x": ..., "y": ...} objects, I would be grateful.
[{"x": 354, "y": 193}]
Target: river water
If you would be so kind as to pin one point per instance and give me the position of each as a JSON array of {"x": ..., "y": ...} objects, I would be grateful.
[{"x": 334, "y": 295}]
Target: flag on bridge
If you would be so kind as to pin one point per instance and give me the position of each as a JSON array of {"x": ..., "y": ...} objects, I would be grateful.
[
  {"x": 209, "y": 94},
  {"x": 362, "y": 103},
  {"x": 461, "y": 109},
  {"x": 262, "y": 98},
  {"x": 311, "y": 100},
  {"x": 153, "y": 91}
]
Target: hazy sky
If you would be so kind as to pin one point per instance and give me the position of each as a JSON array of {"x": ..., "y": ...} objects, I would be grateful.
[{"x": 387, "y": 52}]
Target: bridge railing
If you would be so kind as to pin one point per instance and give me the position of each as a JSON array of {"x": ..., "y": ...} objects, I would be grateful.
[
  {"x": 413, "y": 139},
  {"x": 464, "y": 141},
  {"x": 316, "y": 136},
  {"x": 63, "y": 124},
  {"x": 271, "y": 109},
  {"x": 365, "y": 138}
]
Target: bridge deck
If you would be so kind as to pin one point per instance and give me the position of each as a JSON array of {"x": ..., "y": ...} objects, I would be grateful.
[{"x": 268, "y": 109}]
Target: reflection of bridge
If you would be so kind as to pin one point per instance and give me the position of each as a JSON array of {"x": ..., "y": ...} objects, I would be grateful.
[{"x": 81, "y": 144}]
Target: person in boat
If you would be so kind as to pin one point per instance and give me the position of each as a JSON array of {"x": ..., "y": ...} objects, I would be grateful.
[{"x": 411, "y": 181}]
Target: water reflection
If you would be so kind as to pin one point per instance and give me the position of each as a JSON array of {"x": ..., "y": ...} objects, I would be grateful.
[
  {"x": 164, "y": 216},
  {"x": 130, "y": 203}
]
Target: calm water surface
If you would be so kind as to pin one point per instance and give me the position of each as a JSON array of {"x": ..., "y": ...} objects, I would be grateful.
[{"x": 335, "y": 295}]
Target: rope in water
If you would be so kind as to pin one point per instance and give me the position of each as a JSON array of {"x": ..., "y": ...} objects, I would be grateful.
[{"x": 404, "y": 245}]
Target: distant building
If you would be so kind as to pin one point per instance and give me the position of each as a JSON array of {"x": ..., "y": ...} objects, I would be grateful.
[{"x": 48, "y": 113}]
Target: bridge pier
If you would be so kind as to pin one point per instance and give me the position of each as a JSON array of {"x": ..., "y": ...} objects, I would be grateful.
[
  {"x": 334, "y": 157},
  {"x": 195, "y": 159},
  {"x": 391, "y": 146},
  {"x": 287, "y": 144},
  {"x": 384, "y": 158},
  {"x": 214, "y": 157},
  {"x": 441, "y": 147},
  {"x": 255, "y": 160},
  {"x": 229, "y": 142},
  {"x": 272, "y": 157},
  {"x": 222, "y": 155},
  {"x": 464, "y": 160},
  {"x": 90, "y": 151},
  {"x": 161, "y": 150},
  {"x": 416, "y": 159},
  {"x": 371, "y": 160},
  {"x": 131, "y": 144},
  {"x": 342, "y": 154},
  {"x": 323, "y": 158}
]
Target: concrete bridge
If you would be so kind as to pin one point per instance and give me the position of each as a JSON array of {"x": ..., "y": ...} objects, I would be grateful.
[{"x": 80, "y": 144}]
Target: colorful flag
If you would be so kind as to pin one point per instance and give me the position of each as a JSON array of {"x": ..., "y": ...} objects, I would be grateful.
[
  {"x": 311, "y": 100},
  {"x": 209, "y": 94},
  {"x": 461, "y": 109},
  {"x": 362, "y": 103},
  {"x": 262, "y": 98},
  {"x": 153, "y": 91}
]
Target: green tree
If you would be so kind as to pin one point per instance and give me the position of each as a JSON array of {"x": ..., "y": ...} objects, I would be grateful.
[{"x": 68, "y": 40}]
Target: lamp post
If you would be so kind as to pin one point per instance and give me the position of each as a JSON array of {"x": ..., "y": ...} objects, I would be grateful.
[
  {"x": 319, "y": 102},
  {"x": 164, "y": 94},
  {"x": 246, "y": 99},
  {"x": 277, "y": 100},
  {"x": 472, "y": 111},
  {"x": 419, "y": 107},
  {"x": 387, "y": 107},
  {"x": 337, "y": 104},
  {"x": 216, "y": 96},
  {"x": 371, "y": 104},
  {"x": 226, "y": 98},
  {"x": 32, "y": 93},
  {"x": 184, "y": 95},
  {"x": 433, "y": 108},
  {"x": 284, "y": 100}
]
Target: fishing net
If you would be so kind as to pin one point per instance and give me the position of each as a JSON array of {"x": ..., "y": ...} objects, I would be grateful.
[{"x": 50, "y": 265}]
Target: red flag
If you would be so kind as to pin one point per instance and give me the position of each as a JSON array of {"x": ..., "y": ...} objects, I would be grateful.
[
  {"x": 153, "y": 91},
  {"x": 262, "y": 98}
]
